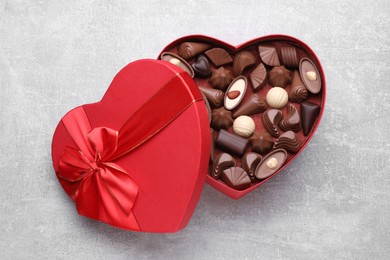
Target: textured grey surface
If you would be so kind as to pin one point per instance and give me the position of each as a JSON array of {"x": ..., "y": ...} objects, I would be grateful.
[{"x": 332, "y": 202}]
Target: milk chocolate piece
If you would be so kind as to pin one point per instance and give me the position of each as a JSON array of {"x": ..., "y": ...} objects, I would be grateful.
[
  {"x": 279, "y": 77},
  {"x": 208, "y": 108},
  {"x": 173, "y": 58},
  {"x": 249, "y": 162},
  {"x": 292, "y": 121},
  {"x": 238, "y": 84},
  {"x": 269, "y": 55},
  {"x": 261, "y": 142},
  {"x": 242, "y": 60},
  {"x": 221, "y": 118},
  {"x": 219, "y": 56},
  {"x": 201, "y": 67},
  {"x": 221, "y": 78},
  {"x": 222, "y": 162},
  {"x": 255, "y": 104},
  {"x": 236, "y": 178},
  {"x": 258, "y": 77},
  {"x": 188, "y": 50},
  {"x": 289, "y": 56},
  {"x": 231, "y": 143},
  {"x": 309, "y": 114},
  {"x": 298, "y": 92},
  {"x": 214, "y": 96},
  {"x": 271, "y": 163},
  {"x": 288, "y": 141},
  {"x": 270, "y": 120},
  {"x": 310, "y": 75}
]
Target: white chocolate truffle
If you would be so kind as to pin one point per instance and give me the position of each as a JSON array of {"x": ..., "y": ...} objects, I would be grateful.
[
  {"x": 244, "y": 126},
  {"x": 277, "y": 97},
  {"x": 272, "y": 163}
]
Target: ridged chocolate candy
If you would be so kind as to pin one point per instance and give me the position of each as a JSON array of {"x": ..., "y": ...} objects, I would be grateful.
[
  {"x": 242, "y": 60},
  {"x": 254, "y": 105},
  {"x": 214, "y": 96},
  {"x": 219, "y": 56},
  {"x": 289, "y": 56},
  {"x": 298, "y": 92},
  {"x": 270, "y": 120},
  {"x": 292, "y": 121},
  {"x": 222, "y": 162},
  {"x": 269, "y": 55},
  {"x": 288, "y": 141},
  {"x": 258, "y": 77},
  {"x": 188, "y": 50},
  {"x": 236, "y": 178},
  {"x": 249, "y": 163}
]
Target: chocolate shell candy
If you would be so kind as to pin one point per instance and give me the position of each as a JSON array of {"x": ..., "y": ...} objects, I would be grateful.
[
  {"x": 249, "y": 163},
  {"x": 310, "y": 75},
  {"x": 221, "y": 118},
  {"x": 236, "y": 178},
  {"x": 279, "y": 77},
  {"x": 289, "y": 56},
  {"x": 188, "y": 50},
  {"x": 309, "y": 114},
  {"x": 201, "y": 67},
  {"x": 178, "y": 61},
  {"x": 271, "y": 163},
  {"x": 269, "y": 55},
  {"x": 221, "y": 78},
  {"x": 219, "y": 56},
  {"x": 231, "y": 143},
  {"x": 214, "y": 96},
  {"x": 254, "y": 105},
  {"x": 242, "y": 60},
  {"x": 298, "y": 92},
  {"x": 261, "y": 142},
  {"x": 222, "y": 162},
  {"x": 270, "y": 120},
  {"x": 288, "y": 141},
  {"x": 258, "y": 77},
  {"x": 292, "y": 120},
  {"x": 237, "y": 87}
]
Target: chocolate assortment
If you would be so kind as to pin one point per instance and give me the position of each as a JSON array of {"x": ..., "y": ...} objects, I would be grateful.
[{"x": 264, "y": 102}]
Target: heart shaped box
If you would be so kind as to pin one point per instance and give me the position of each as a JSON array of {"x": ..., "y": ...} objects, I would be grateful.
[
  {"x": 169, "y": 168},
  {"x": 320, "y": 98}
]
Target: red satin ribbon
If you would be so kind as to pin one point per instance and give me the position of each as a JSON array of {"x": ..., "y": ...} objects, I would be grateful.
[{"x": 102, "y": 189}]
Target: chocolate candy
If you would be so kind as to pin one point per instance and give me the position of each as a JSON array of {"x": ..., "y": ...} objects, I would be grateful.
[
  {"x": 249, "y": 163},
  {"x": 261, "y": 142},
  {"x": 221, "y": 118},
  {"x": 279, "y": 77},
  {"x": 241, "y": 61},
  {"x": 214, "y": 96},
  {"x": 288, "y": 141},
  {"x": 258, "y": 77},
  {"x": 270, "y": 120},
  {"x": 188, "y": 50},
  {"x": 271, "y": 163},
  {"x": 221, "y": 78},
  {"x": 289, "y": 56},
  {"x": 239, "y": 86},
  {"x": 219, "y": 56},
  {"x": 269, "y": 55},
  {"x": 298, "y": 91},
  {"x": 222, "y": 162},
  {"x": 276, "y": 97},
  {"x": 236, "y": 178},
  {"x": 255, "y": 104},
  {"x": 178, "y": 61},
  {"x": 231, "y": 143},
  {"x": 310, "y": 75},
  {"x": 309, "y": 114},
  {"x": 292, "y": 120},
  {"x": 208, "y": 108},
  {"x": 201, "y": 67},
  {"x": 244, "y": 126}
]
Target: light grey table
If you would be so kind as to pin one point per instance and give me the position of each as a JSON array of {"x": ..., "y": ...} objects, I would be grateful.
[{"x": 333, "y": 202}]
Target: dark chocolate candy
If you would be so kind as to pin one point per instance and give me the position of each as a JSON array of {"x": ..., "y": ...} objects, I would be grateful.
[
  {"x": 269, "y": 55},
  {"x": 255, "y": 104},
  {"x": 214, "y": 96},
  {"x": 270, "y": 120},
  {"x": 298, "y": 92},
  {"x": 288, "y": 141},
  {"x": 188, "y": 50},
  {"x": 258, "y": 77},
  {"x": 222, "y": 162},
  {"x": 221, "y": 78},
  {"x": 236, "y": 178},
  {"x": 231, "y": 143},
  {"x": 261, "y": 142},
  {"x": 242, "y": 60},
  {"x": 310, "y": 75},
  {"x": 292, "y": 121},
  {"x": 289, "y": 56},
  {"x": 271, "y": 163},
  {"x": 309, "y": 114},
  {"x": 249, "y": 162},
  {"x": 179, "y": 61},
  {"x": 201, "y": 67},
  {"x": 221, "y": 118},
  {"x": 279, "y": 77},
  {"x": 219, "y": 56}
]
